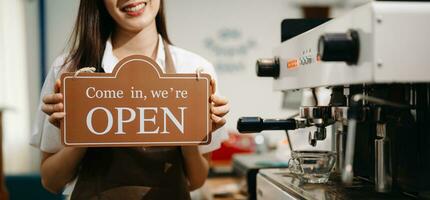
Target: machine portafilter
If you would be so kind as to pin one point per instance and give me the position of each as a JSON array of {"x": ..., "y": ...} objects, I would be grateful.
[
  {"x": 257, "y": 124},
  {"x": 320, "y": 117}
]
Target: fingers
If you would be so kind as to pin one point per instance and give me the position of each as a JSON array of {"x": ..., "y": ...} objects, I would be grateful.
[
  {"x": 219, "y": 101},
  {"x": 52, "y": 108},
  {"x": 219, "y": 121},
  {"x": 56, "y": 118},
  {"x": 52, "y": 103},
  {"x": 220, "y": 110},
  {"x": 53, "y": 98}
]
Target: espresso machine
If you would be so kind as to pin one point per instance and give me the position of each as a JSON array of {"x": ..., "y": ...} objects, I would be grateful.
[{"x": 375, "y": 59}]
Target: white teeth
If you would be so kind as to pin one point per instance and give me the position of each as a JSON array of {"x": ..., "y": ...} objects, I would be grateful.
[{"x": 135, "y": 8}]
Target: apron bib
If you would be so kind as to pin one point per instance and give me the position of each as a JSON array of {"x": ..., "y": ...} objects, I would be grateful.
[{"x": 133, "y": 173}]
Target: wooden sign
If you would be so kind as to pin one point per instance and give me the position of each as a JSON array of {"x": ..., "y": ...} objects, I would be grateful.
[{"x": 135, "y": 105}]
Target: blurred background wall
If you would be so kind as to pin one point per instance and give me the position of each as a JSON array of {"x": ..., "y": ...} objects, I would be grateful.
[
  {"x": 14, "y": 86},
  {"x": 231, "y": 34}
]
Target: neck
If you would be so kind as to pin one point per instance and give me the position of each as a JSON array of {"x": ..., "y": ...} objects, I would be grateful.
[{"x": 125, "y": 43}]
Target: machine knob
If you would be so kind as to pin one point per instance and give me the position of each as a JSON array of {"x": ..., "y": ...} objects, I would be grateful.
[
  {"x": 268, "y": 67},
  {"x": 339, "y": 47},
  {"x": 257, "y": 124}
]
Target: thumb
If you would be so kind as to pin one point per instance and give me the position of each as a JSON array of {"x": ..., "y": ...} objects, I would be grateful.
[
  {"x": 57, "y": 86},
  {"x": 213, "y": 86}
]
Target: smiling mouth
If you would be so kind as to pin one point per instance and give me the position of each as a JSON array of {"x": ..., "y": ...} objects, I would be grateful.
[{"x": 134, "y": 9}]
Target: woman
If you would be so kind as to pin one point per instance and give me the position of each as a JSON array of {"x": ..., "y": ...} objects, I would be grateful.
[{"x": 105, "y": 32}]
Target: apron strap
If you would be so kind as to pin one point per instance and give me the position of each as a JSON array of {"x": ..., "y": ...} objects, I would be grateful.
[{"x": 170, "y": 67}]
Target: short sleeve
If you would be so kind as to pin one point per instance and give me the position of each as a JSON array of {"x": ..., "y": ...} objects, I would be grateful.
[{"x": 46, "y": 136}]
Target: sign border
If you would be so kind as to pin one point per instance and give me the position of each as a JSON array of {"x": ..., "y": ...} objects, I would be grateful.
[{"x": 157, "y": 69}]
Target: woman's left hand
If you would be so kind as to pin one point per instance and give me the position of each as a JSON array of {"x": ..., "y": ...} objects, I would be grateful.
[{"x": 219, "y": 109}]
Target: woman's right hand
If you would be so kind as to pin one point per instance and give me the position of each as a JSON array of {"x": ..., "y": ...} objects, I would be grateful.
[{"x": 53, "y": 105}]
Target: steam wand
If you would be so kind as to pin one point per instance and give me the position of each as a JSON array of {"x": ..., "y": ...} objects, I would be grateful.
[{"x": 354, "y": 115}]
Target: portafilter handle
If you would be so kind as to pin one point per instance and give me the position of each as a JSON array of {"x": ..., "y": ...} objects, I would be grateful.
[{"x": 257, "y": 124}]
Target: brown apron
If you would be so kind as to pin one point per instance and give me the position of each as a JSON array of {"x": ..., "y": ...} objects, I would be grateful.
[{"x": 133, "y": 173}]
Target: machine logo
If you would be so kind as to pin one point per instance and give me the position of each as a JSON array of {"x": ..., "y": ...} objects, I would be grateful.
[
  {"x": 306, "y": 57},
  {"x": 304, "y": 60}
]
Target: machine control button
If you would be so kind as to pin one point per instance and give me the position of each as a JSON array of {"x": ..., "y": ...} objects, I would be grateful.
[
  {"x": 268, "y": 67},
  {"x": 339, "y": 47}
]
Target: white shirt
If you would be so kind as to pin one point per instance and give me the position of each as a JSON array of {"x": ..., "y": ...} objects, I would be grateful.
[{"x": 46, "y": 136}]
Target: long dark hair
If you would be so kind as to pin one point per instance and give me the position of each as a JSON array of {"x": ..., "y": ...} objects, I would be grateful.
[{"x": 92, "y": 29}]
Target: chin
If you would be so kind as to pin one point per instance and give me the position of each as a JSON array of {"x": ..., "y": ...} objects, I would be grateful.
[
  {"x": 133, "y": 15},
  {"x": 135, "y": 25}
]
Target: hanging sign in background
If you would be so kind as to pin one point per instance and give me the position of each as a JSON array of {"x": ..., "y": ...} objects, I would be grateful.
[{"x": 135, "y": 105}]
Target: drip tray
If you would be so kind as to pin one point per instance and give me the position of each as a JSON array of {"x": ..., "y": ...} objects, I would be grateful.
[{"x": 333, "y": 190}]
